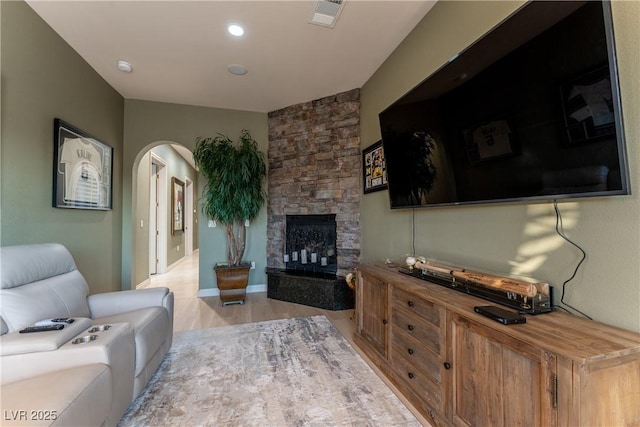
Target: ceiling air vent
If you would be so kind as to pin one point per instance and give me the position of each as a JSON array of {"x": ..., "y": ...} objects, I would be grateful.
[{"x": 326, "y": 12}]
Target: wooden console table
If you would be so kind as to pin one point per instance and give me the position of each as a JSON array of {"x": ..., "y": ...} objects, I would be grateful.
[{"x": 460, "y": 368}]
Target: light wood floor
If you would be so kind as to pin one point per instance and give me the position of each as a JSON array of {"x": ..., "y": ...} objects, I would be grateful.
[{"x": 191, "y": 312}]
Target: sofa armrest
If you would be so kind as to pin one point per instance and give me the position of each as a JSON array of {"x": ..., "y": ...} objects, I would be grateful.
[
  {"x": 17, "y": 343},
  {"x": 112, "y": 303}
]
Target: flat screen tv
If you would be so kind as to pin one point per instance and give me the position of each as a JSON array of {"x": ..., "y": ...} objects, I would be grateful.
[{"x": 529, "y": 112}]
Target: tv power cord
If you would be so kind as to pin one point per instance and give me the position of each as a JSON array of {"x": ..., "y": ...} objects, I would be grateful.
[{"x": 560, "y": 231}]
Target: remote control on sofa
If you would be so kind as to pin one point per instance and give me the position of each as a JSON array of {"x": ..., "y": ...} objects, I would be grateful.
[
  {"x": 66, "y": 320},
  {"x": 63, "y": 320},
  {"x": 42, "y": 328}
]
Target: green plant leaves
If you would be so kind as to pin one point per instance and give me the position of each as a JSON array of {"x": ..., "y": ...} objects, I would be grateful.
[{"x": 233, "y": 192}]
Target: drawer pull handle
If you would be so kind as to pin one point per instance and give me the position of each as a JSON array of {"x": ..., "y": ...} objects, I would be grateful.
[
  {"x": 410, "y": 303},
  {"x": 410, "y": 375},
  {"x": 410, "y": 327},
  {"x": 410, "y": 351},
  {"x": 447, "y": 365},
  {"x": 384, "y": 321}
]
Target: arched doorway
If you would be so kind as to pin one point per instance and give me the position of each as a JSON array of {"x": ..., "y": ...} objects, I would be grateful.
[{"x": 163, "y": 175}]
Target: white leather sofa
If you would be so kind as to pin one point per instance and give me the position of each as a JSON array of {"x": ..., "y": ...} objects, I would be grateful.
[{"x": 87, "y": 373}]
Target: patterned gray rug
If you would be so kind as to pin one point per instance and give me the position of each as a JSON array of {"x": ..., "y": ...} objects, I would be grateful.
[{"x": 292, "y": 372}]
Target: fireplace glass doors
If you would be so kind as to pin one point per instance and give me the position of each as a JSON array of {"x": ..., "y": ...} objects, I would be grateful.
[{"x": 310, "y": 245}]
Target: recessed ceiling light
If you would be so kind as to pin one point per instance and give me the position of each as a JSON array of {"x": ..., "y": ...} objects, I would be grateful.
[
  {"x": 237, "y": 69},
  {"x": 235, "y": 30},
  {"x": 125, "y": 67}
]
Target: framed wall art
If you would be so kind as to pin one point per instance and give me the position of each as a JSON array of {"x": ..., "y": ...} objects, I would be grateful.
[
  {"x": 177, "y": 206},
  {"x": 82, "y": 169},
  {"x": 587, "y": 103},
  {"x": 374, "y": 168},
  {"x": 490, "y": 140}
]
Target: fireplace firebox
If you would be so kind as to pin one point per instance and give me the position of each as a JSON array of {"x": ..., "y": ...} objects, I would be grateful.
[
  {"x": 310, "y": 245},
  {"x": 311, "y": 265}
]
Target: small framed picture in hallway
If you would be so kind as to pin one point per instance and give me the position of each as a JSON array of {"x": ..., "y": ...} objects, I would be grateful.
[{"x": 177, "y": 206}]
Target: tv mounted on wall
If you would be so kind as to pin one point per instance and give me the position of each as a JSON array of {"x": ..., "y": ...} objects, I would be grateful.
[{"x": 530, "y": 112}]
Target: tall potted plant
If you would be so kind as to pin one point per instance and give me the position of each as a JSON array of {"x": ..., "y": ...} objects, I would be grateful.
[{"x": 232, "y": 197}]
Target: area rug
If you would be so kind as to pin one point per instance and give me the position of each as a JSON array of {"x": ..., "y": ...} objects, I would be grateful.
[{"x": 291, "y": 372}]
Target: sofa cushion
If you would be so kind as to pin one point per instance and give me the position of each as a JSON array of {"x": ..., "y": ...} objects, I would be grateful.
[
  {"x": 150, "y": 326},
  {"x": 80, "y": 396},
  {"x": 24, "y": 264},
  {"x": 38, "y": 282},
  {"x": 64, "y": 295}
]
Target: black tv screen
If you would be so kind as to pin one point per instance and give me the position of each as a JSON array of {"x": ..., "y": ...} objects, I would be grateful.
[{"x": 529, "y": 112}]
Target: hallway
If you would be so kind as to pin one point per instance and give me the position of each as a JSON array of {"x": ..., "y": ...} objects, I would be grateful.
[
  {"x": 191, "y": 312},
  {"x": 181, "y": 278}
]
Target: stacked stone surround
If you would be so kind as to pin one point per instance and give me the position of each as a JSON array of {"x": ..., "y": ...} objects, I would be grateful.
[{"x": 315, "y": 168}]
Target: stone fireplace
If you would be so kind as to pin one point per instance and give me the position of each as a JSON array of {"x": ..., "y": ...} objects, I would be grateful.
[{"x": 315, "y": 170}]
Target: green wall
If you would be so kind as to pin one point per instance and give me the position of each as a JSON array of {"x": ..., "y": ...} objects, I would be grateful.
[
  {"x": 44, "y": 78},
  {"x": 148, "y": 124},
  {"x": 519, "y": 238}
]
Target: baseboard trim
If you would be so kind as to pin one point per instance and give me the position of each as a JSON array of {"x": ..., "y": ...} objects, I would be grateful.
[
  {"x": 214, "y": 292},
  {"x": 143, "y": 284}
]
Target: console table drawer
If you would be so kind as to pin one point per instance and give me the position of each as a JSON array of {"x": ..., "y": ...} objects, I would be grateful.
[
  {"x": 426, "y": 333},
  {"x": 412, "y": 352},
  {"x": 424, "y": 309},
  {"x": 422, "y": 384}
]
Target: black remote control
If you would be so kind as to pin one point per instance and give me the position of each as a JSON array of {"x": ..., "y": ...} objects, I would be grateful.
[
  {"x": 43, "y": 328},
  {"x": 63, "y": 320}
]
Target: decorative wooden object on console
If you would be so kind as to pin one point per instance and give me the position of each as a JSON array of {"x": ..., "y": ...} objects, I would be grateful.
[
  {"x": 460, "y": 368},
  {"x": 506, "y": 284}
]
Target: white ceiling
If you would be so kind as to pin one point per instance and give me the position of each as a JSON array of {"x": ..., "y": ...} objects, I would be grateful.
[{"x": 180, "y": 50}]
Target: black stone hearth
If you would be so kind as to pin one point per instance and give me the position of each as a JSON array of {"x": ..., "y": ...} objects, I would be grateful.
[{"x": 326, "y": 291}]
